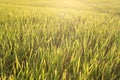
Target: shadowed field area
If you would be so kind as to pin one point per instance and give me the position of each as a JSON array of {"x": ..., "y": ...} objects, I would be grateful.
[{"x": 60, "y": 40}]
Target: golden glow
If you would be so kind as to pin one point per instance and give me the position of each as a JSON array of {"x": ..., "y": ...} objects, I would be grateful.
[{"x": 67, "y": 3}]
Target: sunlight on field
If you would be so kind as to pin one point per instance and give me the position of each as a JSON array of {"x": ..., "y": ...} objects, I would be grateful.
[
  {"x": 73, "y": 4},
  {"x": 59, "y": 40}
]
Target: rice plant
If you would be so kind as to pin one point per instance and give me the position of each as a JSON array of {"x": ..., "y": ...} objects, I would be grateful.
[{"x": 60, "y": 40}]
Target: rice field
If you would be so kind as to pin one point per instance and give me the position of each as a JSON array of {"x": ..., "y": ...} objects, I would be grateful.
[{"x": 60, "y": 40}]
